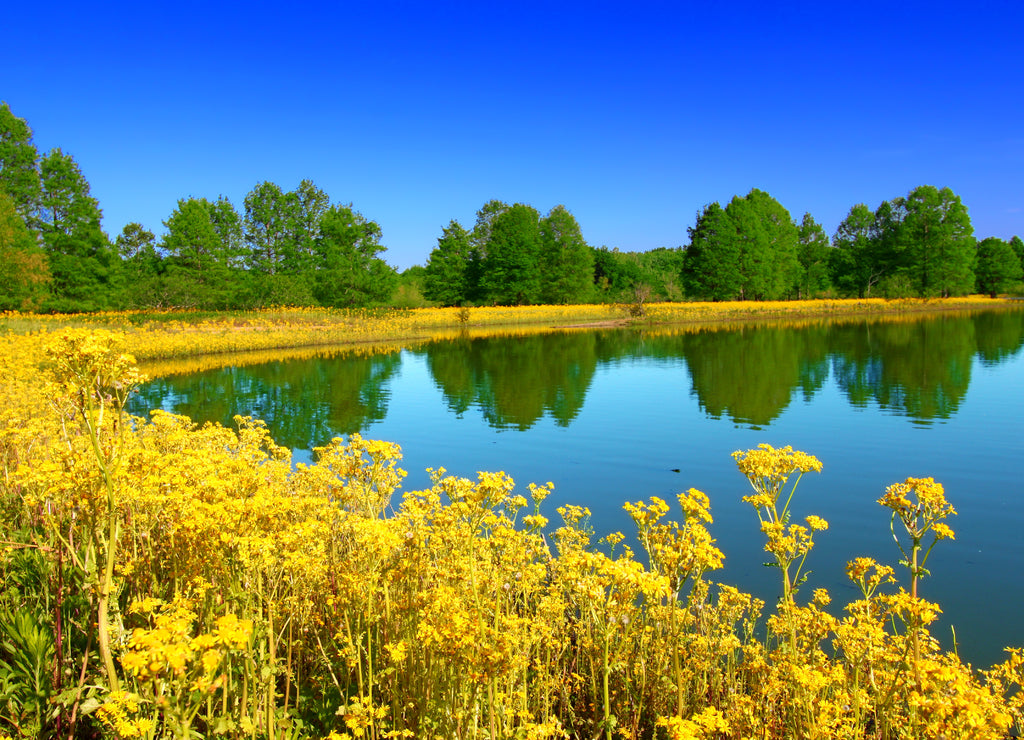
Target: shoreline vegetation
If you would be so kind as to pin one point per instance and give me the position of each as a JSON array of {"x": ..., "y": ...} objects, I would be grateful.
[
  {"x": 161, "y": 579},
  {"x": 165, "y": 335}
]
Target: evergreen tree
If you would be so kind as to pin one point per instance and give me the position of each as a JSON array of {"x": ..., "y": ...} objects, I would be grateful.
[
  {"x": 769, "y": 243},
  {"x": 746, "y": 251},
  {"x": 84, "y": 266},
  {"x": 478, "y": 240},
  {"x": 19, "y": 165},
  {"x": 446, "y": 278}
]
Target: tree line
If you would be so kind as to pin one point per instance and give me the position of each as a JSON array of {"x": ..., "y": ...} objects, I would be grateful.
[
  {"x": 284, "y": 247},
  {"x": 298, "y": 248},
  {"x": 922, "y": 244}
]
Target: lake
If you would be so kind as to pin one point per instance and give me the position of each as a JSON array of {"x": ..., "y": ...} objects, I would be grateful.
[{"x": 616, "y": 415}]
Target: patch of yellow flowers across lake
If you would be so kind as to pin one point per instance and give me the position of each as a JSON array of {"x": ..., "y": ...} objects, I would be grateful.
[{"x": 162, "y": 579}]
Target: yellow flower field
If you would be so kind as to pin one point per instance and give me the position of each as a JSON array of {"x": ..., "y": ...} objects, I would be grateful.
[{"x": 166, "y": 580}]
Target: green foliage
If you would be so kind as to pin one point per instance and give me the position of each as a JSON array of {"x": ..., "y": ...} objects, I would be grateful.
[
  {"x": 446, "y": 277},
  {"x": 856, "y": 265},
  {"x": 615, "y": 274},
  {"x": 409, "y": 291},
  {"x": 349, "y": 273},
  {"x": 511, "y": 266},
  {"x": 566, "y": 262},
  {"x": 1017, "y": 244},
  {"x": 814, "y": 254},
  {"x": 711, "y": 269},
  {"x": 24, "y": 269},
  {"x": 620, "y": 277},
  {"x": 747, "y": 251},
  {"x": 938, "y": 240},
  {"x": 85, "y": 269},
  {"x": 201, "y": 241},
  {"x": 26, "y": 655},
  {"x": 281, "y": 228},
  {"x": 769, "y": 246},
  {"x": 997, "y": 267},
  {"x": 19, "y": 170},
  {"x": 922, "y": 245}
]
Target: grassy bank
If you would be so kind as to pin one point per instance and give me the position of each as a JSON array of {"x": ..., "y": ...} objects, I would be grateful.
[{"x": 177, "y": 334}]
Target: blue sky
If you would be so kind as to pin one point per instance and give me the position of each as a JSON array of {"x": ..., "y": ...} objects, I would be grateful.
[{"x": 633, "y": 117}]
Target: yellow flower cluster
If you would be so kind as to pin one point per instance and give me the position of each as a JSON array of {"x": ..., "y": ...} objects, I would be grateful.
[{"x": 202, "y": 584}]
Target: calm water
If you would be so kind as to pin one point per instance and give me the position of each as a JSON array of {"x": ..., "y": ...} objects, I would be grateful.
[{"x": 617, "y": 415}]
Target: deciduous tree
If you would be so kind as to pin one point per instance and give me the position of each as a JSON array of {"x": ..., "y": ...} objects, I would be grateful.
[
  {"x": 200, "y": 243},
  {"x": 854, "y": 268},
  {"x": 939, "y": 241},
  {"x": 997, "y": 266},
  {"x": 711, "y": 266},
  {"x": 24, "y": 269},
  {"x": 349, "y": 272},
  {"x": 511, "y": 267},
  {"x": 814, "y": 255},
  {"x": 566, "y": 262}
]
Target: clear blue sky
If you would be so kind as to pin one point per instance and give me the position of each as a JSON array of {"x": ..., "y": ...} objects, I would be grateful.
[{"x": 632, "y": 116}]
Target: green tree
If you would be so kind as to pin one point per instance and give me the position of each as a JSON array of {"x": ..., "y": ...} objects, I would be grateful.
[
  {"x": 660, "y": 269},
  {"x": 309, "y": 204},
  {"x": 85, "y": 268},
  {"x": 746, "y": 251},
  {"x": 854, "y": 266},
  {"x": 479, "y": 239},
  {"x": 1017, "y": 244},
  {"x": 201, "y": 244},
  {"x": 266, "y": 228},
  {"x": 616, "y": 274},
  {"x": 938, "y": 239},
  {"x": 566, "y": 262},
  {"x": 141, "y": 266},
  {"x": 997, "y": 266},
  {"x": 349, "y": 272},
  {"x": 281, "y": 228},
  {"x": 511, "y": 267},
  {"x": 19, "y": 165},
  {"x": 409, "y": 291},
  {"x": 24, "y": 269},
  {"x": 446, "y": 279},
  {"x": 711, "y": 266},
  {"x": 768, "y": 246},
  {"x": 135, "y": 240},
  {"x": 814, "y": 253}
]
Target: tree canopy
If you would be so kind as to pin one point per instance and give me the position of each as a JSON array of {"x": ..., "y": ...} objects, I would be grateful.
[{"x": 747, "y": 251}]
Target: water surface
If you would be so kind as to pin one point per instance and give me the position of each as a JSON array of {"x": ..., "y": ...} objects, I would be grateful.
[{"x": 616, "y": 415}]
